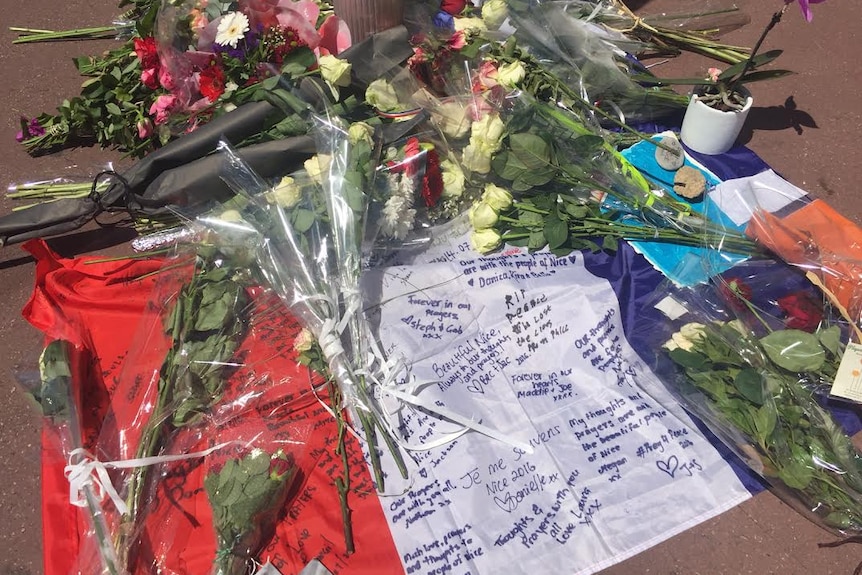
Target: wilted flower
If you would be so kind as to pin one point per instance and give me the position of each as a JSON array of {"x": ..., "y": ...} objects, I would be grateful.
[
  {"x": 497, "y": 197},
  {"x": 483, "y": 216},
  {"x": 304, "y": 340},
  {"x": 494, "y": 13},
  {"x": 381, "y": 95},
  {"x": 485, "y": 241},
  {"x": 231, "y": 29}
]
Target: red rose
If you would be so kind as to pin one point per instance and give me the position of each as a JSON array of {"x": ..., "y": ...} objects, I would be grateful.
[
  {"x": 432, "y": 181},
  {"x": 145, "y": 49},
  {"x": 279, "y": 468},
  {"x": 453, "y": 7},
  {"x": 802, "y": 311},
  {"x": 212, "y": 82},
  {"x": 736, "y": 293}
]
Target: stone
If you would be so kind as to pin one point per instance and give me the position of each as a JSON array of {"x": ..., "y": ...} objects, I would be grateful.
[
  {"x": 689, "y": 182},
  {"x": 670, "y": 160}
]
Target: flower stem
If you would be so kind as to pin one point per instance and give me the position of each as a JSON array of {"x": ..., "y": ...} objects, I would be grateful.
[{"x": 749, "y": 63}]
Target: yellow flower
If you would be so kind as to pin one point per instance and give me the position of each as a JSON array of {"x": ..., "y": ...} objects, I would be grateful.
[{"x": 686, "y": 337}]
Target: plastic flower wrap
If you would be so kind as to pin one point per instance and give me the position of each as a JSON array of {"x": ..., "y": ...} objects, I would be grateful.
[
  {"x": 311, "y": 256},
  {"x": 755, "y": 353}
]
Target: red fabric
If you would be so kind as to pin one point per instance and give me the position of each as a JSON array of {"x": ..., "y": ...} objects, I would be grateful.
[{"x": 112, "y": 318}]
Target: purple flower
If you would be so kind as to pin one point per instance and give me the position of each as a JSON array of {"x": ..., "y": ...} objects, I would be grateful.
[
  {"x": 29, "y": 129},
  {"x": 806, "y": 9}
]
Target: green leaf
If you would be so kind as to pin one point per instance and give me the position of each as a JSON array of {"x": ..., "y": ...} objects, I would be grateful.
[
  {"x": 556, "y": 231},
  {"x": 610, "y": 243},
  {"x": 749, "y": 383},
  {"x": 687, "y": 359},
  {"x": 578, "y": 212},
  {"x": 113, "y": 109},
  {"x": 794, "y": 350},
  {"x": 587, "y": 144},
  {"x": 795, "y": 474},
  {"x": 757, "y": 61},
  {"x": 532, "y": 178},
  {"x": 537, "y": 240},
  {"x": 532, "y": 150},
  {"x": 830, "y": 338},
  {"x": 513, "y": 167},
  {"x": 764, "y": 421},
  {"x": 303, "y": 220}
]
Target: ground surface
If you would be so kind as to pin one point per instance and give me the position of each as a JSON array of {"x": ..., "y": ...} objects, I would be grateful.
[{"x": 806, "y": 126}]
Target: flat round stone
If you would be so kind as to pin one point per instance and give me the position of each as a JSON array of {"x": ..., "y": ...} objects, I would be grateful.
[
  {"x": 689, "y": 182},
  {"x": 667, "y": 159}
]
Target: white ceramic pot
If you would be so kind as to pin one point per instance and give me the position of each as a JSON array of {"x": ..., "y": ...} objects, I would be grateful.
[
  {"x": 366, "y": 17},
  {"x": 710, "y": 131}
]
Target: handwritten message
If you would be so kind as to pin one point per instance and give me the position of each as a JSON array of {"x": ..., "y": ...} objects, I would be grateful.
[{"x": 532, "y": 346}]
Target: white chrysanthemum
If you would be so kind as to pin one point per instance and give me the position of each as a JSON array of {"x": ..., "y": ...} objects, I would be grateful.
[
  {"x": 398, "y": 213},
  {"x": 231, "y": 29}
]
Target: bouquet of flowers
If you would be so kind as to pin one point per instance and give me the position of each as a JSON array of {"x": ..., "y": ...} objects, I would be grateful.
[
  {"x": 757, "y": 351},
  {"x": 189, "y": 63}
]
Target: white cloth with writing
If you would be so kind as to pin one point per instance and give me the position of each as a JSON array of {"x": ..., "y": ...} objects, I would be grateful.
[{"x": 532, "y": 346}]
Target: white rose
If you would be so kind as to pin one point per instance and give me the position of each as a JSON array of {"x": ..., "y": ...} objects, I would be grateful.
[
  {"x": 453, "y": 119},
  {"x": 494, "y": 13},
  {"x": 335, "y": 70},
  {"x": 497, "y": 197},
  {"x": 468, "y": 24},
  {"x": 686, "y": 337},
  {"x": 454, "y": 181},
  {"x": 286, "y": 194},
  {"x": 381, "y": 95},
  {"x": 488, "y": 131},
  {"x": 512, "y": 74},
  {"x": 317, "y": 167},
  {"x": 484, "y": 241},
  {"x": 360, "y": 131},
  {"x": 483, "y": 216},
  {"x": 476, "y": 158}
]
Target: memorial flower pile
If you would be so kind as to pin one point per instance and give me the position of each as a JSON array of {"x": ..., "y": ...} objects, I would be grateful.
[{"x": 217, "y": 54}]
